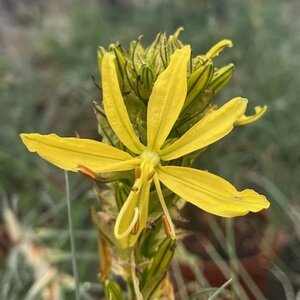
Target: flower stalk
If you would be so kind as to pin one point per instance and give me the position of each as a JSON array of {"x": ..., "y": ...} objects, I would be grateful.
[{"x": 156, "y": 115}]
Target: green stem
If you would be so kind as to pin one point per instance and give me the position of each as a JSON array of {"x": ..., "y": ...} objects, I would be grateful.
[
  {"x": 220, "y": 289},
  {"x": 134, "y": 278},
  {"x": 72, "y": 239}
]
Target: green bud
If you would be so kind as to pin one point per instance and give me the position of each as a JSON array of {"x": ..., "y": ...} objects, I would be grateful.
[
  {"x": 199, "y": 61},
  {"x": 217, "y": 48},
  {"x": 173, "y": 42},
  {"x": 147, "y": 76},
  {"x": 160, "y": 261},
  {"x": 112, "y": 290},
  {"x": 162, "y": 50},
  {"x": 197, "y": 83},
  {"x": 120, "y": 62},
  {"x": 137, "y": 53},
  {"x": 221, "y": 77},
  {"x": 177, "y": 33},
  {"x": 122, "y": 191},
  {"x": 152, "y": 237},
  {"x": 151, "y": 51},
  {"x": 195, "y": 111}
]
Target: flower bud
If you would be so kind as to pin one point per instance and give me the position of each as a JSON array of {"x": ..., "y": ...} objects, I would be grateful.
[
  {"x": 160, "y": 262},
  {"x": 112, "y": 290},
  {"x": 217, "y": 48},
  {"x": 197, "y": 83},
  {"x": 221, "y": 77},
  {"x": 147, "y": 76},
  {"x": 121, "y": 192},
  {"x": 120, "y": 62}
]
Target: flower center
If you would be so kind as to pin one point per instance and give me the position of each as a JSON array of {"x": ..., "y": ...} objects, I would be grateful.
[{"x": 148, "y": 155}]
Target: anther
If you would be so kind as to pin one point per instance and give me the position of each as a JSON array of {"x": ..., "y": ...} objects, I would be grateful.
[
  {"x": 135, "y": 189},
  {"x": 86, "y": 171},
  {"x": 167, "y": 226},
  {"x": 151, "y": 175},
  {"x": 137, "y": 172},
  {"x": 135, "y": 229}
]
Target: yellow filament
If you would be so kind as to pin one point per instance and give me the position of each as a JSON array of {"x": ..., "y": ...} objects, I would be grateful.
[{"x": 164, "y": 206}]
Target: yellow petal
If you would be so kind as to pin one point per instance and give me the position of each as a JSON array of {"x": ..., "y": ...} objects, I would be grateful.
[
  {"x": 167, "y": 98},
  {"x": 133, "y": 216},
  {"x": 217, "y": 48},
  {"x": 208, "y": 130},
  {"x": 210, "y": 192},
  {"x": 115, "y": 108},
  {"x": 259, "y": 112},
  {"x": 68, "y": 153}
]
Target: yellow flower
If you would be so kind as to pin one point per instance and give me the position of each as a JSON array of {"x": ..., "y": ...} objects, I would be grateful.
[{"x": 203, "y": 189}]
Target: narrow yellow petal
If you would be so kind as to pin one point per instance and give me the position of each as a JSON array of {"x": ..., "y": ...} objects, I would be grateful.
[
  {"x": 167, "y": 99},
  {"x": 259, "y": 112},
  {"x": 115, "y": 108},
  {"x": 208, "y": 130},
  {"x": 69, "y": 153},
  {"x": 217, "y": 48},
  {"x": 210, "y": 192}
]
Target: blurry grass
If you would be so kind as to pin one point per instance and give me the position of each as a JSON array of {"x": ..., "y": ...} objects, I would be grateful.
[{"x": 46, "y": 86}]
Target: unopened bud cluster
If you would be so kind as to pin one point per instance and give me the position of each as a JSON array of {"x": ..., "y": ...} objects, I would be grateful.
[
  {"x": 139, "y": 67},
  {"x": 137, "y": 70}
]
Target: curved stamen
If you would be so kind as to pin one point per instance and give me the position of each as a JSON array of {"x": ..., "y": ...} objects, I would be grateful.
[{"x": 171, "y": 230}]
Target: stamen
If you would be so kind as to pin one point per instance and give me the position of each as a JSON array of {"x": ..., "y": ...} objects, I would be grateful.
[
  {"x": 169, "y": 229},
  {"x": 167, "y": 226},
  {"x": 151, "y": 175},
  {"x": 137, "y": 172},
  {"x": 86, "y": 171},
  {"x": 135, "y": 229}
]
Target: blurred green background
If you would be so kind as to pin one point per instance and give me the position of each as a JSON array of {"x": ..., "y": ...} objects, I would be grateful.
[{"x": 47, "y": 65}]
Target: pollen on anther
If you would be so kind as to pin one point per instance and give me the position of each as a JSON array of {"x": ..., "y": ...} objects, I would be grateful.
[
  {"x": 151, "y": 175},
  {"x": 135, "y": 229},
  {"x": 86, "y": 171},
  {"x": 166, "y": 225},
  {"x": 137, "y": 172}
]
